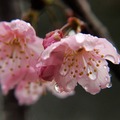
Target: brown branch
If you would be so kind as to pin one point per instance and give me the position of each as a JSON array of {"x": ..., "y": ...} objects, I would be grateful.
[{"x": 82, "y": 9}]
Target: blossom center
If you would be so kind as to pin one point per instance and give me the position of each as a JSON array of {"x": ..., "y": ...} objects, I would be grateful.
[
  {"x": 81, "y": 62},
  {"x": 12, "y": 55}
]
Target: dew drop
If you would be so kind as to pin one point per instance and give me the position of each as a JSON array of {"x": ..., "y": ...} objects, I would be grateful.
[
  {"x": 109, "y": 85},
  {"x": 92, "y": 76},
  {"x": 57, "y": 88},
  {"x": 105, "y": 66},
  {"x": 86, "y": 88}
]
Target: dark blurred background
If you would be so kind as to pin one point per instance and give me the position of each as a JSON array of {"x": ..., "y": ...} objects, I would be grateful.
[{"x": 81, "y": 106}]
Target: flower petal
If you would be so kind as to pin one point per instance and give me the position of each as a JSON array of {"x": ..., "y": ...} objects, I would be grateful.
[
  {"x": 102, "y": 81},
  {"x": 28, "y": 92},
  {"x": 29, "y": 89},
  {"x": 19, "y": 52},
  {"x": 108, "y": 51}
]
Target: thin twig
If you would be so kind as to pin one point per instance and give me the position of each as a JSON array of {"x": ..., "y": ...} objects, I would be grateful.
[{"x": 82, "y": 9}]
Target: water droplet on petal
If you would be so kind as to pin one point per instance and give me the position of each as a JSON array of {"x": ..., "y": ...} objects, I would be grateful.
[
  {"x": 92, "y": 76},
  {"x": 109, "y": 85},
  {"x": 57, "y": 88},
  {"x": 86, "y": 88},
  {"x": 105, "y": 66}
]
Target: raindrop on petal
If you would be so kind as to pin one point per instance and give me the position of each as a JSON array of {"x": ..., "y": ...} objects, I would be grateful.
[
  {"x": 92, "y": 76},
  {"x": 57, "y": 88},
  {"x": 86, "y": 88},
  {"x": 109, "y": 85},
  {"x": 105, "y": 66}
]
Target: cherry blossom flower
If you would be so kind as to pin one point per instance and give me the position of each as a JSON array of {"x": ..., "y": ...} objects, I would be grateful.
[
  {"x": 78, "y": 59},
  {"x": 19, "y": 52}
]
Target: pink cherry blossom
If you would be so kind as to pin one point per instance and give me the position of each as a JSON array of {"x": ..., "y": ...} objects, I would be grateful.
[
  {"x": 19, "y": 52},
  {"x": 81, "y": 59}
]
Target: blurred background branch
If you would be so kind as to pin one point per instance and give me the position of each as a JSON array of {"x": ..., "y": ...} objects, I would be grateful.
[{"x": 9, "y": 9}]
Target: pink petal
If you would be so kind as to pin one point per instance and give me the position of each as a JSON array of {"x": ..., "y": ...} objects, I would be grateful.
[
  {"x": 108, "y": 51},
  {"x": 102, "y": 79},
  {"x": 29, "y": 89},
  {"x": 28, "y": 92}
]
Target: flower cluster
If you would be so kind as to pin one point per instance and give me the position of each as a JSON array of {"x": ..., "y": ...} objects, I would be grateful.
[
  {"x": 57, "y": 63},
  {"x": 81, "y": 59}
]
